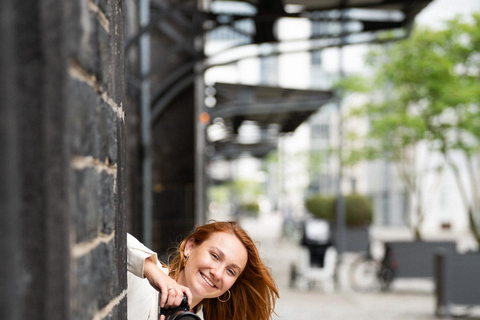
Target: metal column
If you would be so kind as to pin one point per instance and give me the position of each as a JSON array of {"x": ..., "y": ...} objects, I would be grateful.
[{"x": 146, "y": 131}]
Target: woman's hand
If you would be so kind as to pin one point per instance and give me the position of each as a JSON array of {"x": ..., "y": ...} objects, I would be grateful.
[{"x": 171, "y": 291}]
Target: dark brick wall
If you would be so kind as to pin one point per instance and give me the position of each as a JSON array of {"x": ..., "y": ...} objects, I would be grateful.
[{"x": 63, "y": 164}]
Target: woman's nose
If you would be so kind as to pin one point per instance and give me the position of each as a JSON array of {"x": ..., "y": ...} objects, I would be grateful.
[{"x": 216, "y": 272}]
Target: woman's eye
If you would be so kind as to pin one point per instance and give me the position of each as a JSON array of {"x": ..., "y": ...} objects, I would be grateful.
[
  {"x": 231, "y": 272},
  {"x": 214, "y": 256}
]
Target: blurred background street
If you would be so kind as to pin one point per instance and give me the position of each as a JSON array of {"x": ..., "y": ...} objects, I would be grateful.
[{"x": 409, "y": 299}]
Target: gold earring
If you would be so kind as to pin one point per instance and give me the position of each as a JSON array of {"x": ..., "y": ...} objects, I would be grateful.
[{"x": 229, "y": 296}]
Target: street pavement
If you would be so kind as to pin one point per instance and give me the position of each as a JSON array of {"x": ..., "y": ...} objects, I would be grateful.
[{"x": 411, "y": 299}]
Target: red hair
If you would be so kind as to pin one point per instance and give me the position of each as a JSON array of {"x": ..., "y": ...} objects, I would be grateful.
[{"x": 254, "y": 293}]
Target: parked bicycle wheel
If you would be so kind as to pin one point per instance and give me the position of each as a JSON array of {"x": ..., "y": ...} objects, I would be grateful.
[{"x": 364, "y": 275}]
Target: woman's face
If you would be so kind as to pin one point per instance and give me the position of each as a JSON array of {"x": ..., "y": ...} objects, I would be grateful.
[{"x": 213, "y": 266}]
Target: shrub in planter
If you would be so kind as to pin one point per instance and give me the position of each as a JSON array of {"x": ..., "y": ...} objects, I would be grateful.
[
  {"x": 358, "y": 209},
  {"x": 250, "y": 208},
  {"x": 321, "y": 207}
]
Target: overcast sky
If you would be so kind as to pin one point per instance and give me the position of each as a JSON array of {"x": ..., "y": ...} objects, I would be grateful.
[{"x": 441, "y": 10}]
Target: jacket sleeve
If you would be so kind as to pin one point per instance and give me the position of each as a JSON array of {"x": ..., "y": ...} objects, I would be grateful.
[{"x": 137, "y": 252}]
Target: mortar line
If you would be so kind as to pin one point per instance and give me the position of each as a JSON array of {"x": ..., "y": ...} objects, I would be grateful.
[
  {"x": 102, "y": 313},
  {"x": 82, "y": 162},
  {"x": 77, "y": 72},
  {"x": 100, "y": 15},
  {"x": 82, "y": 248}
]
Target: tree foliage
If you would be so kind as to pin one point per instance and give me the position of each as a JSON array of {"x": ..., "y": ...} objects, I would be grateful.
[{"x": 426, "y": 89}]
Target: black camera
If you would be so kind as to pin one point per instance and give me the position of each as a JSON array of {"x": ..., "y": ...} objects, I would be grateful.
[{"x": 178, "y": 313}]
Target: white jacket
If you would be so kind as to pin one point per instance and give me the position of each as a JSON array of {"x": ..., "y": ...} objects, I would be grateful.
[{"x": 142, "y": 298}]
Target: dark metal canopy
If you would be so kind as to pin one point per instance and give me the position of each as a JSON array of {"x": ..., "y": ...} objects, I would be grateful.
[
  {"x": 356, "y": 17},
  {"x": 414, "y": 6},
  {"x": 334, "y": 23},
  {"x": 287, "y": 108},
  {"x": 272, "y": 110},
  {"x": 232, "y": 150}
]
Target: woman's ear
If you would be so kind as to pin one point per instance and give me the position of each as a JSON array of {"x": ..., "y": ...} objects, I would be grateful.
[{"x": 189, "y": 247}]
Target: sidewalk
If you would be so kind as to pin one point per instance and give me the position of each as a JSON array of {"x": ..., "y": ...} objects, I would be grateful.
[{"x": 409, "y": 300}]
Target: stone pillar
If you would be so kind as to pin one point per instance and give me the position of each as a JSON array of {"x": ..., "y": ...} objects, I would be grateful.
[{"x": 62, "y": 203}]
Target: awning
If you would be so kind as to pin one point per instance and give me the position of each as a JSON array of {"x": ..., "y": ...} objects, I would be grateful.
[
  {"x": 408, "y": 6},
  {"x": 233, "y": 150},
  {"x": 358, "y": 17},
  {"x": 287, "y": 108}
]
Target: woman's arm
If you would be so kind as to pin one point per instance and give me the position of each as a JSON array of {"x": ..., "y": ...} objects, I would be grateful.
[
  {"x": 143, "y": 262},
  {"x": 137, "y": 253}
]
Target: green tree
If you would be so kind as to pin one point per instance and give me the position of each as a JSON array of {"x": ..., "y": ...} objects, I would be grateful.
[{"x": 431, "y": 95}]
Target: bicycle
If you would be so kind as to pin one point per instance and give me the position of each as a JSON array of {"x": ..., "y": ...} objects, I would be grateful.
[{"x": 367, "y": 274}]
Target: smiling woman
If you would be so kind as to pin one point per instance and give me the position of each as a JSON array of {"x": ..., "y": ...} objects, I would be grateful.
[
  {"x": 217, "y": 267},
  {"x": 214, "y": 266}
]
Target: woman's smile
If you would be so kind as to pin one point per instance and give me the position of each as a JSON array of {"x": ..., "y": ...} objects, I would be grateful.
[{"x": 207, "y": 280}]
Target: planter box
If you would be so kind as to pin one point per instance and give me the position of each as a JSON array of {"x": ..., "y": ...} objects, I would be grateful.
[
  {"x": 415, "y": 259},
  {"x": 458, "y": 280},
  {"x": 356, "y": 239}
]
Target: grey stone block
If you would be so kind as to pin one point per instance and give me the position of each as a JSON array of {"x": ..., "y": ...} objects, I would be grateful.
[
  {"x": 93, "y": 124},
  {"x": 82, "y": 41},
  {"x": 94, "y": 282},
  {"x": 94, "y": 209}
]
